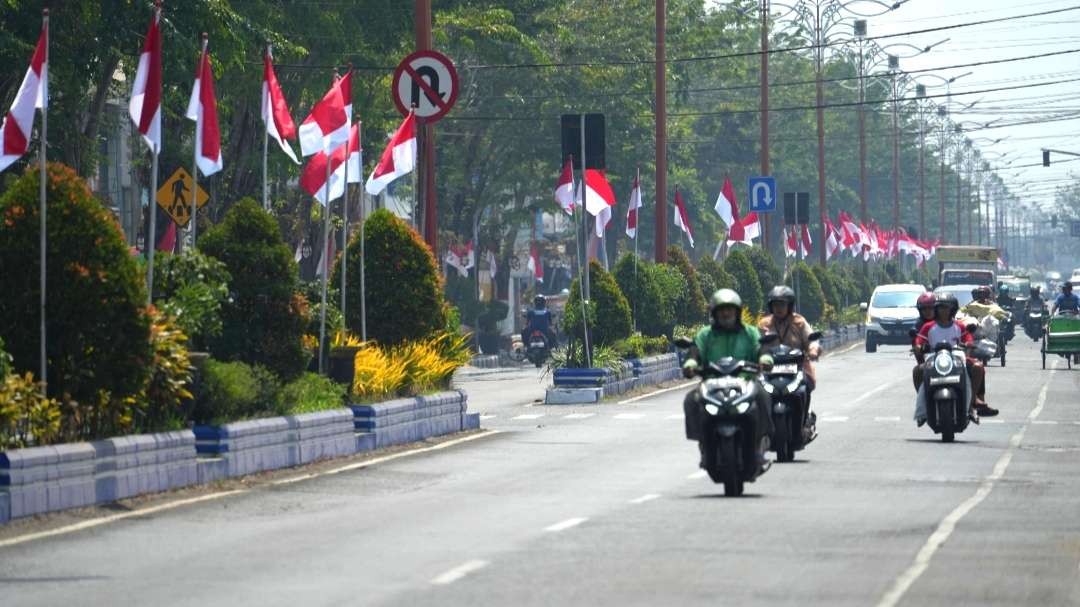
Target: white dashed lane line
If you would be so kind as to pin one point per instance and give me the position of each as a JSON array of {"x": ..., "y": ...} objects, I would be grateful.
[
  {"x": 676, "y": 416},
  {"x": 697, "y": 475},
  {"x": 579, "y": 416},
  {"x": 529, "y": 416},
  {"x": 894, "y": 418},
  {"x": 630, "y": 416},
  {"x": 648, "y": 497},
  {"x": 459, "y": 572},
  {"x": 834, "y": 418},
  {"x": 564, "y": 525}
]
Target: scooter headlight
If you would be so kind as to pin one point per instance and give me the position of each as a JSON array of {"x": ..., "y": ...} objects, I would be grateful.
[
  {"x": 794, "y": 385},
  {"x": 712, "y": 409},
  {"x": 943, "y": 363},
  {"x": 742, "y": 407},
  {"x": 769, "y": 387}
]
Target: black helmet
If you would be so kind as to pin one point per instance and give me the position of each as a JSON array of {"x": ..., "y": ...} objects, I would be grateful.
[
  {"x": 1067, "y": 285},
  {"x": 948, "y": 300},
  {"x": 540, "y": 302},
  {"x": 981, "y": 292},
  {"x": 780, "y": 293}
]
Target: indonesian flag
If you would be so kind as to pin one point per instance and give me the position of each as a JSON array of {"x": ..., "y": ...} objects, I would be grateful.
[
  {"x": 326, "y": 260},
  {"x": 313, "y": 179},
  {"x": 726, "y": 205},
  {"x": 168, "y": 240},
  {"x": 805, "y": 242},
  {"x": 453, "y": 259},
  {"x": 468, "y": 260},
  {"x": 493, "y": 268},
  {"x": 202, "y": 108},
  {"x": 632, "y": 211},
  {"x": 328, "y": 124},
  {"x": 833, "y": 244},
  {"x": 398, "y": 159},
  {"x": 682, "y": 220},
  {"x": 275, "y": 112},
  {"x": 745, "y": 230},
  {"x": 535, "y": 265},
  {"x": 145, "y": 105},
  {"x": 564, "y": 189},
  {"x": 599, "y": 197},
  {"x": 790, "y": 244},
  {"x": 33, "y": 94},
  {"x": 852, "y": 238}
]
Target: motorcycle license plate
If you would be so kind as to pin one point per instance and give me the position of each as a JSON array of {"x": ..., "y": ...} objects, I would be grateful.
[
  {"x": 536, "y": 344},
  {"x": 789, "y": 369}
]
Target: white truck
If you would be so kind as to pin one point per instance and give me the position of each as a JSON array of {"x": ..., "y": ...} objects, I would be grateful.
[{"x": 967, "y": 265}]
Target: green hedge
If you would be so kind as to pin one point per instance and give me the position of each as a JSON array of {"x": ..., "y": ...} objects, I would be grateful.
[
  {"x": 265, "y": 320},
  {"x": 690, "y": 304},
  {"x": 739, "y": 266},
  {"x": 234, "y": 391},
  {"x": 405, "y": 299},
  {"x": 768, "y": 273},
  {"x": 810, "y": 297},
  {"x": 608, "y": 312},
  {"x": 192, "y": 288},
  {"x": 650, "y": 293}
]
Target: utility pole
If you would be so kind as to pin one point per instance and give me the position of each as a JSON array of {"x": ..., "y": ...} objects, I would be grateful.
[
  {"x": 894, "y": 66},
  {"x": 942, "y": 153},
  {"x": 819, "y": 61},
  {"x": 426, "y": 180},
  {"x": 920, "y": 93},
  {"x": 660, "y": 238},
  {"x": 959, "y": 175},
  {"x": 764, "y": 109},
  {"x": 860, "y": 35}
]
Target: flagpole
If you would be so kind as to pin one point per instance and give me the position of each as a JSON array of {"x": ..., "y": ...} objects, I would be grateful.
[
  {"x": 44, "y": 179},
  {"x": 637, "y": 221},
  {"x": 266, "y": 141},
  {"x": 345, "y": 219},
  {"x": 325, "y": 257},
  {"x": 363, "y": 263},
  {"x": 195, "y": 157}
]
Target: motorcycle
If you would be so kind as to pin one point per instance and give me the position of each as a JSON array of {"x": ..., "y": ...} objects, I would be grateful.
[
  {"x": 725, "y": 422},
  {"x": 785, "y": 382},
  {"x": 992, "y": 330},
  {"x": 538, "y": 349},
  {"x": 947, "y": 389},
  {"x": 1035, "y": 323}
]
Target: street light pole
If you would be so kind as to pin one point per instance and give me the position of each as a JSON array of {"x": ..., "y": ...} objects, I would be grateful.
[
  {"x": 422, "y": 23},
  {"x": 860, "y": 35},
  {"x": 764, "y": 108},
  {"x": 920, "y": 93},
  {"x": 894, "y": 65},
  {"x": 660, "y": 237},
  {"x": 819, "y": 52}
]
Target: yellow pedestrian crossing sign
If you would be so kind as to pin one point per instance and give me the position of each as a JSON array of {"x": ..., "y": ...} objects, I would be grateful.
[{"x": 174, "y": 197}]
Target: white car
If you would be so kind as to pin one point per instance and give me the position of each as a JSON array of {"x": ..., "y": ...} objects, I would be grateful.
[{"x": 891, "y": 315}]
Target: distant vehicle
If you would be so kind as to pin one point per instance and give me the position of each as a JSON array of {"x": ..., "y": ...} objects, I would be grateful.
[
  {"x": 1075, "y": 275},
  {"x": 961, "y": 292},
  {"x": 965, "y": 265},
  {"x": 891, "y": 315},
  {"x": 1019, "y": 290}
]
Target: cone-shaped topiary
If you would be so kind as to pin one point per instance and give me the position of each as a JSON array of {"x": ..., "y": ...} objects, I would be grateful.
[
  {"x": 264, "y": 323},
  {"x": 827, "y": 279},
  {"x": 98, "y": 326},
  {"x": 609, "y": 314},
  {"x": 690, "y": 305},
  {"x": 768, "y": 273},
  {"x": 738, "y": 265},
  {"x": 721, "y": 278},
  {"x": 404, "y": 291},
  {"x": 811, "y": 300},
  {"x": 650, "y": 293}
]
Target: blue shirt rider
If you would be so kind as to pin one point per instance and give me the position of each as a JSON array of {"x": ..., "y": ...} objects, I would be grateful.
[
  {"x": 539, "y": 319},
  {"x": 1067, "y": 301}
]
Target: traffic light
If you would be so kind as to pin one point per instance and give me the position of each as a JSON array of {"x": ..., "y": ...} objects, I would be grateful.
[
  {"x": 1053, "y": 221},
  {"x": 1046, "y": 158}
]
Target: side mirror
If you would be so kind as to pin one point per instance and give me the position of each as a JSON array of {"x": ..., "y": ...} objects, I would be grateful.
[
  {"x": 683, "y": 343},
  {"x": 815, "y": 336},
  {"x": 912, "y": 333},
  {"x": 863, "y": 307},
  {"x": 768, "y": 338},
  {"x": 972, "y": 328}
]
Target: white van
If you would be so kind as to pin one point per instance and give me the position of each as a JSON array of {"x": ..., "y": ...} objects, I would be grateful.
[{"x": 891, "y": 315}]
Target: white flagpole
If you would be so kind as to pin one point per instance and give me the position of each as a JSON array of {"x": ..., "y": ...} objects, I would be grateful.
[
  {"x": 195, "y": 159},
  {"x": 637, "y": 224},
  {"x": 363, "y": 262},
  {"x": 266, "y": 144},
  {"x": 44, "y": 178},
  {"x": 345, "y": 219},
  {"x": 151, "y": 239},
  {"x": 326, "y": 259}
]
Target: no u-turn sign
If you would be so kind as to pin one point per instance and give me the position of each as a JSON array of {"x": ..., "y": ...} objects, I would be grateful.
[{"x": 427, "y": 81}]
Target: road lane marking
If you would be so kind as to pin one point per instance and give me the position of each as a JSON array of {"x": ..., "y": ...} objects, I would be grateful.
[
  {"x": 1043, "y": 423},
  {"x": 991, "y": 421},
  {"x": 834, "y": 418},
  {"x": 648, "y": 497},
  {"x": 630, "y": 416},
  {"x": 488, "y": 416},
  {"x": 579, "y": 416},
  {"x": 459, "y": 572},
  {"x": 683, "y": 416},
  {"x": 529, "y": 416},
  {"x": 876, "y": 390},
  {"x": 697, "y": 475},
  {"x": 90, "y": 524},
  {"x": 947, "y": 525},
  {"x": 564, "y": 525},
  {"x": 656, "y": 392},
  {"x": 894, "y": 418}
]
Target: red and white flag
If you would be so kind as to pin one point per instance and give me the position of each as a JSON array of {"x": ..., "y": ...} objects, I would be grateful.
[
  {"x": 326, "y": 260},
  {"x": 453, "y": 259},
  {"x": 599, "y": 198},
  {"x": 168, "y": 240},
  {"x": 275, "y": 112},
  {"x": 145, "y": 105},
  {"x": 33, "y": 94},
  {"x": 805, "y": 242},
  {"x": 833, "y": 245},
  {"x": 328, "y": 124},
  {"x": 313, "y": 178},
  {"x": 493, "y": 267},
  {"x": 468, "y": 260},
  {"x": 535, "y": 265},
  {"x": 745, "y": 230},
  {"x": 726, "y": 205},
  {"x": 632, "y": 210},
  {"x": 790, "y": 244},
  {"x": 682, "y": 219},
  {"x": 398, "y": 159},
  {"x": 202, "y": 108},
  {"x": 564, "y": 189}
]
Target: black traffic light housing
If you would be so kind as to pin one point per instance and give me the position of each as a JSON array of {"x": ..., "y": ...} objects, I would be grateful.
[{"x": 1046, "y": 158}]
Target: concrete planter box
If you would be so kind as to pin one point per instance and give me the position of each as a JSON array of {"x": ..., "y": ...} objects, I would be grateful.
[
  {"x": 653, "y": 370},
  {"x": 47, "y": 479},
  {"x": 408, "y": 420},
  {"x": 259, "y": 445}
]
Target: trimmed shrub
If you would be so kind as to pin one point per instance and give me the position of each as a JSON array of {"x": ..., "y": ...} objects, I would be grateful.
[
  {"x": 739, "y": 266},
  {"x": 234, "y": 391},
  {"x": 408, "y": 369},
  {"x": 640, "y": 346},
  {"x": 192, "y": 288},
  {"x": 311, "y": 393},
  {"x": 609, "y": 314},
  {"x": 99, "y": 331},
  {"x": 721, "y": 278},
  {"x": 826, "y": 278},
  {"x": 650, "y": 293},
  {"x": 768, "y": 273},
  {"x": 170, "y": 377},
  {"x": 690, "y": 303},
  {"x": 811, "y": 299},
  {"x": 26, "y": 417},
  {"x": 265, "y": 320},
  {"x": 404, "y": 291},
  {"x": 5, "y": 361}
]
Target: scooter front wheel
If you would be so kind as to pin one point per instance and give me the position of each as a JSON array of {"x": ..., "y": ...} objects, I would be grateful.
[{"x": 733, "y": 482}]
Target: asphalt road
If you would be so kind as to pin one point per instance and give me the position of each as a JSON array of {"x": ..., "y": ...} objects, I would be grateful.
[{"x": 604, "y": 506}]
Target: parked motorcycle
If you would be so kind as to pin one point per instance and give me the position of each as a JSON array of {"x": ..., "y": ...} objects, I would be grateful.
[
  {"x": 538, "y": 349},
  {"x": 947, "y": 389},
  {"x": 725, "y": 419},
  {"x": 785, "y": 382}
]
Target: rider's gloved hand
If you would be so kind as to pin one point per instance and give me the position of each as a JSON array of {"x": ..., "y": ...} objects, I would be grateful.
[{"x": 689, "y": 368}]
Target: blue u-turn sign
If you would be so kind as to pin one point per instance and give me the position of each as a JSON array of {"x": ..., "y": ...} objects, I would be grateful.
[{"x": 762, "y": 194}]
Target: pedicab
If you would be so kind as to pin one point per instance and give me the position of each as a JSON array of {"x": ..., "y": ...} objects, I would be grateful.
[{"x": 1062, "y": 337}]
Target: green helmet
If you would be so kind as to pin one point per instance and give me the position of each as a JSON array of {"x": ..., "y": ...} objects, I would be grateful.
[{"x": 724, "y": 297}]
